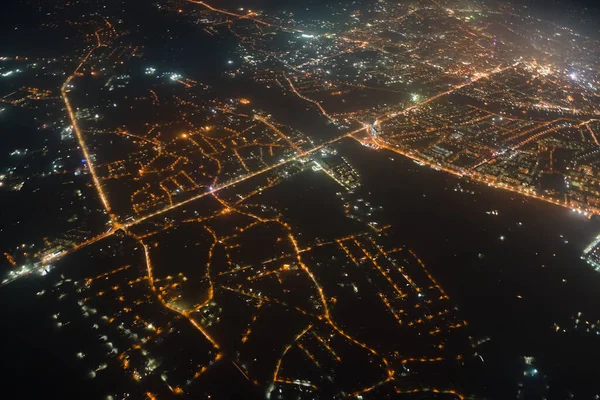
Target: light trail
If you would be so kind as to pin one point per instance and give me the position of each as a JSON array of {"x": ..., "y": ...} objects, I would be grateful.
[
  {"x": 370, "y": 388},
  {"x": 93, "y": 240},
  {"x": 231, "y": 14},
  {"x": 309, "y": 100},
  {"x": 401, "y": 294},
  {"x": 82, "y": 145},
  {"x": 278, "y": 132},
  {"x": 8, "y": 95},
  {"x": 241, "y": 160},
  {"x": 324, "y": 343},
  {"x": 167, "y": 305},
  {"x": 55, "y": 257},
  {"x": 476, "y": 78},
  {"x": 593, "y": 134},
  {"x": 104, "y": 275},
  {"x": 431, "y": 278},
  {"x": 387, "y": 304},
  {"x": 330, "y": 174},
  {"x": 298, "y": 383},
  {"x": 431, "y": 390},
  {"x": 474, "y": 176},
  {"x": 239, "y": 369},
  {"x": 278, "y": 365},
  {"x": 211, "y": 290}
]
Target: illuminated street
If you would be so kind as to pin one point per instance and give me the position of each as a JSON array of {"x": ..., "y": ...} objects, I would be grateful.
[{"x": 370, "y": 200}]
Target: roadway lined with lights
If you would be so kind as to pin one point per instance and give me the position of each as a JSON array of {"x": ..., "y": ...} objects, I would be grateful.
[
  {"x": 77, "y": 130},
  {"x": 347, "y": 244},
  {"x": 242, "y": 178},
  {"x": 589, "y": 211},
  {"x": 248, "y": 16}
]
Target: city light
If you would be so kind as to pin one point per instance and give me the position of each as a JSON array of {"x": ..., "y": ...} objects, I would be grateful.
[{"x": 299, "y": 210}]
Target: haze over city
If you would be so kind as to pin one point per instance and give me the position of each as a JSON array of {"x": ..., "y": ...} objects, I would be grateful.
[{"x": 367, "y": 199}]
